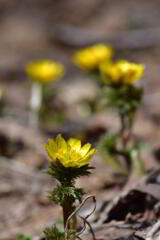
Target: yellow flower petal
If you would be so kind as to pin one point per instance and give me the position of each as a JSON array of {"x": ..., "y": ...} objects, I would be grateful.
[
  {"x": 70, "y": 153},
  {"x": 51, "y": 150},
  {"x": 52, "y": 144},
  {"x": 89, "y": 154},
  {"x": 89, "y": 58},
  {"x": 44, "y": 71},
  {"x": 121, "y": 72},
  {"x": 84, "y": 150},
  {"x": 75, "y": 144},
  {"x": 61, "y": 143}
]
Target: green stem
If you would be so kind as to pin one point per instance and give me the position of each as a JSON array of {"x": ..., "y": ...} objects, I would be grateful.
[
  {"x": 126, "y": 135},
  {"x": 126, "y": 127},
  {"x": 68, "y": 208},
  {"x": 137, "y": 164},
  {"x": 35, "y": 104},
  {"x": 124, "y": 130}
]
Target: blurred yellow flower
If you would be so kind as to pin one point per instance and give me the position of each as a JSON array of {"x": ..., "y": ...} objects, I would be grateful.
[
  {"x": 90, "y": 58},
  {"x": 121, "y": 71},
  {"x": 69, "y": 153},
  {"x": 44, "y": 71}
]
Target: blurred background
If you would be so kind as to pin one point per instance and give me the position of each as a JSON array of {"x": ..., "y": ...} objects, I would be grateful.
[
  {"x": 33, "y": 30},
  {"x": 47, "y": 29}
]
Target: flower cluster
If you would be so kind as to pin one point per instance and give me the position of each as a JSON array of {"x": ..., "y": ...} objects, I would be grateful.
[
  {"x": 121, "y": 72},
  {"x": 90, "y": 58},
  {"x": 44, "y": 71},
  {"x": 69, "y": 153}
]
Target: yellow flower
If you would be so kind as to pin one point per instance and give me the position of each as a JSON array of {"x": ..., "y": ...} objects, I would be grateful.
[
  {"x": 69, "y": 153},
  {"x": 44, "y": 71},
  {"x": 89, "y": 58},
  {"x": 121, "y": 71}
]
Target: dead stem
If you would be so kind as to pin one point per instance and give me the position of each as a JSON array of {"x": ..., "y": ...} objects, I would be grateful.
[{"x": 83, "y": 218}]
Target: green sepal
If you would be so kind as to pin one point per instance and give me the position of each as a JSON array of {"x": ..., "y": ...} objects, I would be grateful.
[
  {"x": 67, "y": 176},
  {"x": 125, "y": 98}
]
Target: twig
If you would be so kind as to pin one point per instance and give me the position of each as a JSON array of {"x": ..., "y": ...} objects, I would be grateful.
[
  {"x": 155, "y": 228},
  {"x": 84, "y": 218},
  {"x": 90, "y": 227}
]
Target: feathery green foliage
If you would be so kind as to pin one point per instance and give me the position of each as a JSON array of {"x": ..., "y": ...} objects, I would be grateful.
[
  {"x": 125, "y": 98},
  {"x": 59, "y": 194},
  {"x": 23, "y": 237},
  {"x": 53, "y": 233}
]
